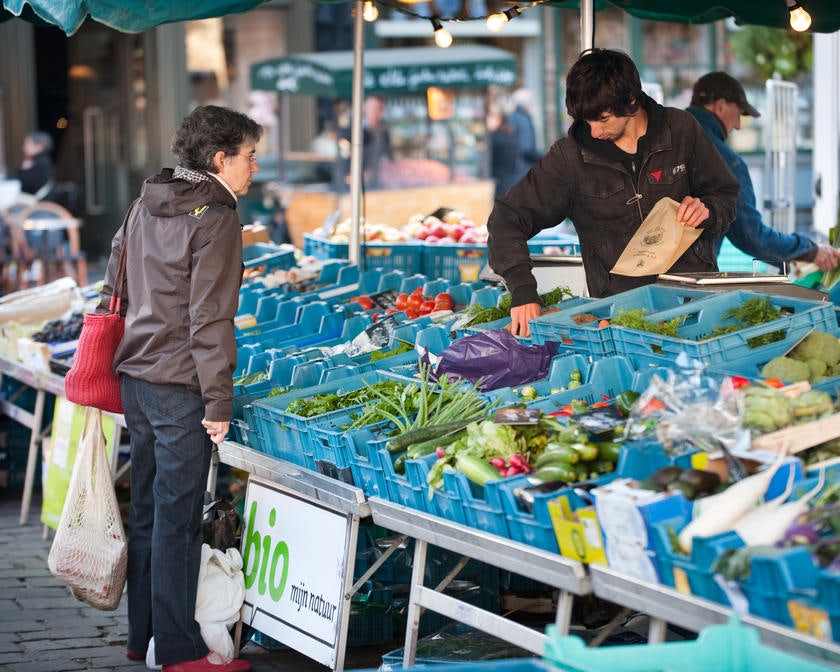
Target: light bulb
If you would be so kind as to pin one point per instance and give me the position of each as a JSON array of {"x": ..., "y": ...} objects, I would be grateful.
[
  {"x": 496, "y": 22},
  {"x": 443, "y": 38},
  {"x": 369, "y": 12},
  {"x": 800, "y": 20}
]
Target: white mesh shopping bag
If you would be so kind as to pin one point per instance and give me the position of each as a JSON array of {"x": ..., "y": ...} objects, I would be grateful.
[{"x": 89, "y": 549}]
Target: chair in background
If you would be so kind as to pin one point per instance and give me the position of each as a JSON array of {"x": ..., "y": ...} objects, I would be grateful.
[{"x": 52, "y": 237}]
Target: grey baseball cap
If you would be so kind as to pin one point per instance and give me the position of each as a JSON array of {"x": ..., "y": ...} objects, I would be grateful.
[{"x": 716, "y": 85}]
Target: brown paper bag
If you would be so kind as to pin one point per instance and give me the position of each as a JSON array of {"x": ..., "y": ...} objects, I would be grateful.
[{"x": 658, "y": 243}]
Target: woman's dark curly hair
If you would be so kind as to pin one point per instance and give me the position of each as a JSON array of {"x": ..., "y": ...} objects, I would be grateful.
[
  {"x": 603, "y": 80},
  {"x": 208, "y": 129}
]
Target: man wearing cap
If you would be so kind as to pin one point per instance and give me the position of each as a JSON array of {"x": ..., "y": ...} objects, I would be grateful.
[{"x": 718, "y": 101}]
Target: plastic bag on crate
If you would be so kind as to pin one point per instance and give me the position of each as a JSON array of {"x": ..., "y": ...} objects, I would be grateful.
[
  {"x": 88, "y": 552},
  {"x": 688, "y": 409},
  {"x": 493, "y": 359}
]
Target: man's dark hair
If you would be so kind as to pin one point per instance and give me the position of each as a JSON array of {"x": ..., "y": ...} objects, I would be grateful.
[
  {"x": 603, "y": 80},
  {"x": 208, "y": 129}
]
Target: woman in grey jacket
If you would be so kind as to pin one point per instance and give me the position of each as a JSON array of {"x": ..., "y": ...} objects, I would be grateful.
[
  {"x": 624, "y": 152},
  {"x": 183, "y": 243}
]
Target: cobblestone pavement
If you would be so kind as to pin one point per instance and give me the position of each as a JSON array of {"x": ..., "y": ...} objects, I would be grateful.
[{"x": 43, "y": 628}]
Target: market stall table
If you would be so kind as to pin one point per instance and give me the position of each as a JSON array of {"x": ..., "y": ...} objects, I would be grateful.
[
  {"x": 43, "y": 382},
  {"x": 666, "y": 605}
]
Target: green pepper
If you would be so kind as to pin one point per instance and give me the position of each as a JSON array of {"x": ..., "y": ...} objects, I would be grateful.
[{"x": 624, "y": 401}]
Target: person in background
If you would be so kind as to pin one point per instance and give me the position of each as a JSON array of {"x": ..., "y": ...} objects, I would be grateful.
[
  {"x": 624, "y": 152},
  {"x": 521, "y": 118},
  {"x": 36, "y": 169},
  {"x": 718, "y": 101},
  {"x": 183, "y": 242},
  {"x": 376, "y": 139},
  {"x": 504, "y": 151}
]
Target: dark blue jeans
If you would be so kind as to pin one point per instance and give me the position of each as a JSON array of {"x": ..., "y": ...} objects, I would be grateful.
[{"x": 170, "y": 460}]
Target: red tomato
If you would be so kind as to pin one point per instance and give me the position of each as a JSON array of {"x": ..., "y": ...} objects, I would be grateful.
[
  {"x": 364, "y": 301},
  {"x": 426, "y": 307},
  {"x": 414, "y": 301},
  {"x": 401, "y": 301},
  {"x": 411, "y": 313},
  {"x": 375, "y": 316},
  {"x": 418, "y": 291},
  {"x": 445, "y": 298}
]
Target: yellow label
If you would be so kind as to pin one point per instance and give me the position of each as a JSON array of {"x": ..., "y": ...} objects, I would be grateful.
[
  {"x": 700, "y": 460},
  {"x": 578, "y": 533},
  {"x": 810, "y": 620},
  {"x": 681, "y": 581},
  {"x": 469, "y": 272}
]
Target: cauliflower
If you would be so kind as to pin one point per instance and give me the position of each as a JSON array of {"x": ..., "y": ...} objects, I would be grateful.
[
  {"x": 818, "y": 345},
  {"x": 786, "y": 369}
]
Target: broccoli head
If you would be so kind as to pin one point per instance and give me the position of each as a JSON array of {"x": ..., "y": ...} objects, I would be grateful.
[
  {"x": 818, "y": 345},
  {"x": 786, "y": 369}
]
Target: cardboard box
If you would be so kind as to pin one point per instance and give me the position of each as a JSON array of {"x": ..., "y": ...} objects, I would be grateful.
[
  {"x": 578, "y": 532},
  {"x": 254, "y": 233}
]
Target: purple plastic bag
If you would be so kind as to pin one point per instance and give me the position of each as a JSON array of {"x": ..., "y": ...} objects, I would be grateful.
[{"x": 495, "y": 358}]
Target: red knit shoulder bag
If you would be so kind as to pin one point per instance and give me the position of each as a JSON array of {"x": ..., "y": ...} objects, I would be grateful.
[{"x": 91, "y": 380}]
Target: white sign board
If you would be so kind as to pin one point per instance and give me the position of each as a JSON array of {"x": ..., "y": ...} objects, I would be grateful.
[{"x": 296, "y": 570}]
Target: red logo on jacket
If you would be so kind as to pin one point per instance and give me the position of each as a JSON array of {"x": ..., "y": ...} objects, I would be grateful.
[{"x": 656, "y": 175}]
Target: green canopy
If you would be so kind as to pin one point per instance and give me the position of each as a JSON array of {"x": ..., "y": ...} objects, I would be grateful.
[
  {"x": 387, "y": 71},
  {"x": 825, "y": 14},
  {"x": 128, "y": 16}
]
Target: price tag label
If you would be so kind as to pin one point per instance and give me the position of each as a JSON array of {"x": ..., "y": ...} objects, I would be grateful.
[{"x": 600, "y": 420}]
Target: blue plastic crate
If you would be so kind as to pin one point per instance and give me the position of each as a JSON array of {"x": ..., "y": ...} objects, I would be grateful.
[
  {"x": 723, "y": 648},
  {"x": 701, "y": 318},
  {"x": 400, "y": 489},
  {"x": 605, "y": 379},
  {"x": 361, "y": 454},
  {"x": 691, "y": 572},
  {"x": 750, "y": 367},
  {"x": 558, "y": 246},
  {"x": 269, "y": 256},
  {"x": 286, "y": 435},
  {"x": 533, "y": 528},
  {"x": 592, "y": 339},
  {"x": 775, "y": 580},
  {"x": 481, "y": 506},
  {"x": 406, "y": 257},
  {"x": 456, "y": 263}
]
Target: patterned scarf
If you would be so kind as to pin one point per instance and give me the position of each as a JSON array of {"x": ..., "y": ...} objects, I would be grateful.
[{"x": 192, "y": 176}]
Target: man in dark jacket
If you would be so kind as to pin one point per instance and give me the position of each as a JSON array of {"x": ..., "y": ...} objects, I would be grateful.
[
  {"x": 624, "y": 153},
  {"x": 183, "y": 243},
  {"x": 718, "y": 101}
]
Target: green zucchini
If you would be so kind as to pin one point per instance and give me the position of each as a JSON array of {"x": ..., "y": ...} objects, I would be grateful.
[
  {"x": 477, "y": 470},
  {"x": 557, "y": 452},
  {"x": 609, "y": 450},
  {"x": 556, "y": 471},
  {"x": 424, "y": 448},
  {"x": 399, "y": 443}
]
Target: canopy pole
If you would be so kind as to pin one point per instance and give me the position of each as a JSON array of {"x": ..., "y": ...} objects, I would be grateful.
[
  {"x": 587, "y": 24},
  {"x": 356, "y": 138}
]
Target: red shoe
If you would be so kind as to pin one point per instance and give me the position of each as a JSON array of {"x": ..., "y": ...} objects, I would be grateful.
[
  {"x": 212, "y": 662},
  {"x": 135, "y": 655}
]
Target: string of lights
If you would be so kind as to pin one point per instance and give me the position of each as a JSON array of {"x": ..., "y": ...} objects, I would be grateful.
[
  {"x": 496, "y": 21},
  {"x": 800, "y": 19}
]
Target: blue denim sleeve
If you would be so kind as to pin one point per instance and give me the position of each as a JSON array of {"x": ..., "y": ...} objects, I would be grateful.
[{"x": 749, "y": 233}]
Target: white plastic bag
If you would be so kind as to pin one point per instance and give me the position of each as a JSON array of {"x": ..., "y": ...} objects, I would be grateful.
[
  {"x": 88, "y": 552},
  {"x": 221, "y": 592}
]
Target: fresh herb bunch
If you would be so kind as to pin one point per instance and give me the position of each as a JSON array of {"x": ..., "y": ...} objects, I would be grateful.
[
  {"x": 327, "y": 402},
  {"x": 755, "y": 310},
  {"x": 502, "y": 308},
  {"x": 635, "y": 318}
]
